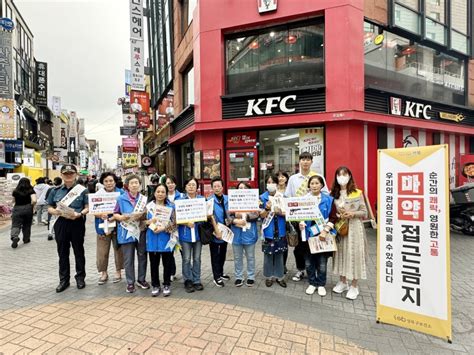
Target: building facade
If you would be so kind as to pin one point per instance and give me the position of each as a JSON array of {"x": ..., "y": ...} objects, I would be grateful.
[{"x": 257, "y": 82}]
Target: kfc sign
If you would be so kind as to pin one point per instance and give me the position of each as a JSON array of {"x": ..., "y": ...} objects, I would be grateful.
[
  {"x": 265, "y": 106},
  {"x": 409, "y": 109},
  {"x": 266, "y": 5}
]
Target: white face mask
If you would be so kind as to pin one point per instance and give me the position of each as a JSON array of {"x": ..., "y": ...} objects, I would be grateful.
[
  {"x": 343, "y": 179},
  {"x": 271, "y": 187}
]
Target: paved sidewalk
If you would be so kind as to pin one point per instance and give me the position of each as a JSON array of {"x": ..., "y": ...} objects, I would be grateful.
[{"x": 104, "y": 319}]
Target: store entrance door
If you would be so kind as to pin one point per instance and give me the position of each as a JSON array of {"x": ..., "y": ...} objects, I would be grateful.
[{"x": 242, "y": 166}]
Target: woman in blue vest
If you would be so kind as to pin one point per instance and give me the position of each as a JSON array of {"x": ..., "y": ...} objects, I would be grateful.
[
  {"x": 316, "y": 264},
  {"x": 191, "y": 271},
  {"x": 244, "y": 242},
  {"x": 131, "y": 238},
  {"x": 104, "y": 240},
  {"x": 173, "y": 194},
  {"x": 158, "y": 237},
  {"x": 274, "y": 232}
]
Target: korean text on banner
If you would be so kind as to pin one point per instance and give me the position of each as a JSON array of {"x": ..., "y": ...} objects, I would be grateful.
[
  {"x": 244, "y": 200},
  {"x": 311, "y": 140},
  {"x": 413, "y": 266},
  {"x": 191, "y": 210},
  {"x": 302, "y": 209},
  {"x": 102, "y": 202},
  {"x": 7, "y": 119}
]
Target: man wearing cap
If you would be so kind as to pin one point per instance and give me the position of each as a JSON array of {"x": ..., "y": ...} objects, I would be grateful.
[{"x": 70, "y": 204}]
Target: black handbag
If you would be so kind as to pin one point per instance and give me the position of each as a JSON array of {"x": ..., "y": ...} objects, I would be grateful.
[
  {"x": 292, "y": 235},
  {"x": 206, "y": 232}
]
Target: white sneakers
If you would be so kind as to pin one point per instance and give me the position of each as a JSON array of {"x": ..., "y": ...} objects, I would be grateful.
[
  {"x": 310, "y": 290},
  {"x": 352, "y": 293},
  {"x": 340, "y": 287},
  {"x": 298, "y": 276},
  {"x": 321, "y": 291}
]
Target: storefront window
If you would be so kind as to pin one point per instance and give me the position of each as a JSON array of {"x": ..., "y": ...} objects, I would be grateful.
[
  {"x": 278, "y": 58},
  {"x": 186, "y": 161},
  {"x": 397, "y": 64},
  {"x": 279, "y": 150},
  {"x": 188, "y": 86}
]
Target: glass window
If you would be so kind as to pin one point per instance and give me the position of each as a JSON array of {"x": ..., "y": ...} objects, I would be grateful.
[
  {"x": 459, "y": 15},
  {"x": 400, "y": 65},
  {"x": 413, "y": 4},
  {"x": 188, "y": 86},
  {"x": 459, "y": 42},
  {"x": 435, "y": 31},
  {"x": 435, "y": 9},
  {"x": 277, "y": 58},
  {"x": 407, "y": 19},
  {"x": 191, "y": 6},
  {"x": 186, "y": 161}
]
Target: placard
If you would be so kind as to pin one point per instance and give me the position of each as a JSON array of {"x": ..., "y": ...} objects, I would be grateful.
[
  {"x": 413, "y": 266},
  {"x": 302, "y": 209},
  {"x": 102, "y": 202},
  {"x": 190, "y": 210},
  {"x": 244, "y": 200}
]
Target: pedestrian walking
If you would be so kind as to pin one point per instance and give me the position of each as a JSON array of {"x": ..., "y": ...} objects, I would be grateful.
[
  {"x": 70, "y": 204},
  {"x": 107, "y": 238},
  {"x": 131, "y": 234},
  {"x": 22, "y": 215},
  {"x": 274, "y": 234},
  {"x": 316, "y": 264},
  {"x": 159, "y": 244},
  {"x": 350, "y": 258},
  {"x": 191, "y": 248},
  {"x": 217, "y": 246},
  {"x": 41, "y": 190},
  {"x": 244, "y": 227}
]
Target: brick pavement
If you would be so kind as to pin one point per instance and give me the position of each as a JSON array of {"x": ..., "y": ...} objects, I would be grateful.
[{"x": 104, "y": 319}]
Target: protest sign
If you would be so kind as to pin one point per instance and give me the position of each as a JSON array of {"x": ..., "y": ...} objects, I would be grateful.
[
  {"x": 304, "y": 208},
  {"x": 244, "y": 200},
  {"x": 191, "y": 210},
  {"x": 102, "y": 202}
]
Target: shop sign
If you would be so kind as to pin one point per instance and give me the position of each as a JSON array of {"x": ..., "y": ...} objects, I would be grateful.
[
  {"x": 139, "y": 101},
  {"x": 129, "y": 160},
  {"x": 6, "y": 65},
  {"x": 7, "y": 24},
  {"x": 211, "y": 164},
  {"x": 29, "y": 157},
  {"x": 129, "y": 143},
  {"x": 143, "y": 120},
  {"x": 146, "y": 161},
  {"x": 56, "y": 105},
  {"x": 266, "y": 5},
  {"x": 409, "y": 109},
  {"x": 128, "y": 131},
  {"x": 7, "y": 118},
  {"x": 456, "y": 117},
  {"x": 2, "y": 152},
  {"x": 41, "y": 84},
  {"x": 26, "y": 104},
  {"x": 255, "y": 107},
  {"x": 14, "y": 146},
  {"x": 312, "y": 140},
  {"x": 239, "y": 139},
  {"x": 126, "y": 107},
  {"x": 129, "y": 120}
]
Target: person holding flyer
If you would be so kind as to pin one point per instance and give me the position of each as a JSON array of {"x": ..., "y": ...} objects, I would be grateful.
[
  {"x": 173, "y": 194},
  {"x": 274, "y": 233},
  {"x": 217, "y": 246},
  {"x": 159, "y": 241},
  {"x": 70, "y": 204},
  {"x": 316, "y": 264},
  {"x": 244, "y": 242},
  {"x": 191, "y": 271},
  {"x": 350, "y": 258},
  {"x": 131, "y": 234},
  {"x": 108, "y": 237}
]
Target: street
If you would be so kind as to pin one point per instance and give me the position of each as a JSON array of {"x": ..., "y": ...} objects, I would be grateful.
[{"x": 104, "y": 319}]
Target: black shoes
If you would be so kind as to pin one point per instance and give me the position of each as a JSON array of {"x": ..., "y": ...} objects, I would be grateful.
[
  {"x": 198, "y": 287},
  {"x": 219, "y": 283},
  {"x": 238, "y": 283},
  {"x": 250, "y": 283},
  {"x": 15, "y": 242},
  {"x": 62, "y": 286},
  {"x": 26, "y": 241},
  {"x": 188, "y": 286},
  {"x": 50, "y": 237},
  {"x": 225, "y": 277},
  {"x": 282, "y": 283},
  {"x": 80, "y": 284}
]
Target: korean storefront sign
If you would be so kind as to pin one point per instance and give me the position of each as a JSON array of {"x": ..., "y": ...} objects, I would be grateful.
[
  {"x": 244, "y": 200},
  {"x": 6, "y": 65},
  {"x": 129, "y": 160},
  {"x": 139, "y": 101},
  {"x": 312, "y": 140},
  {"x": 136, "y": 19},
  {"x": 137, "y": 45},
  {"x": 128, "y": 131},
  {"x": 2, "y": 152},
  {"x": 129, "y": 120},
  {"x": 413, "y": 266},
  {"x": 7, "y": 118},
  {"x": 14, "y": 146},
  {"x": 129, "y": 144},
  {"x": 56, "y": 105},
  {"x": 29, "y": 157},
  {"x": 41, "y": 84},
  {"x": 241, "y": 139}
]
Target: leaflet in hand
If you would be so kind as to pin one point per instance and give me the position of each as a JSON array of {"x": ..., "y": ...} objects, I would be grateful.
[
  {"x": 227, "y": 234},
  {"x": 316, "y": 245},
  {"x": 162, "y": 214},
  {"x": 65, "y": 210},
  {"x": 210, "y": 207},
  {"x": 278, "y": 203},
  {"x": 352, "y": 204}
]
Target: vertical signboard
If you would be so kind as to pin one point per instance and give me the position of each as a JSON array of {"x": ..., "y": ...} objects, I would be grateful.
[
  {"x": 6, "y": 65},
  {"x": 29, "y": 157},
  {"x": 128, "y": 82},
  {"x": 41, "y": 84},
  {"x": 413, "y": 271},
  {"x": 7, "y": 119},
  {"x": 312, "y": 140},
  {"x": 56, "y": 105},
  {"x": 2, "y": 152},
  {"x": 137, "y": 45}
]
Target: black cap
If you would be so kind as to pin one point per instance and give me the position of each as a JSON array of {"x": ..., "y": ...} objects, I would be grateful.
[{"x": 68, "y": 168}]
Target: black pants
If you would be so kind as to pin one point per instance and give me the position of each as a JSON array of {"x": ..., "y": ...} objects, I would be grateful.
[
  {"x": 300, "y": 251},
  {"x": 218, "y": 254},
  {"x": 22, "y": 218},
  {"x": 155, "y": 267},
  {"x": 70, "y": 232}
]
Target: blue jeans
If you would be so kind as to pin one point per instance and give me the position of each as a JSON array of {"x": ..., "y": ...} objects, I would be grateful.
[
  {"x": 316, "y": 267},
  {"x": 239, "y": 250},
  {"x": 192, "y": 272},
  {"x": 273, "y": 266}
]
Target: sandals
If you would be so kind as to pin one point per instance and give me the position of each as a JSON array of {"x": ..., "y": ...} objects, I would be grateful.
[{"x": 103, "y": 279}]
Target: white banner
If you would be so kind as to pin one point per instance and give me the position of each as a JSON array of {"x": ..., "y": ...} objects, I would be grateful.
[
  {"x": 82, "y": 159},
  {"x": 312, "y": 141},
  {"x": 29, "y": 157},
  {"x": 136, "y": 19},
  {"x": 2, "y": 152},
  {"x": 302, "y": 209},
  {"x": 413, "y": 239},
  {"x": 129, "y": 120},
  {"x": 190, "y": 210},
  {"x": 56, "y": 105},
  {"x": 137, "y": 49},
  {"x": 102, "y": 202},
  {"x": 244, "y": 200}
]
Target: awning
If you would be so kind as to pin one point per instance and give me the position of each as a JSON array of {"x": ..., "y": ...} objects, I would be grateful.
[{"x": 7, "y": 166}]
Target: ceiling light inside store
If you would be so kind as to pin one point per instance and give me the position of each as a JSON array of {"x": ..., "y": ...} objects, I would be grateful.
[
  {"x": 266, "y": 139},
  {"x": 272, "y": 34},
  {"x": 287, "y": 138}
]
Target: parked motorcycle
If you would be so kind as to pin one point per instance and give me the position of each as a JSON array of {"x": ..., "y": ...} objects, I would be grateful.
[{"x": 462, "y": 210}]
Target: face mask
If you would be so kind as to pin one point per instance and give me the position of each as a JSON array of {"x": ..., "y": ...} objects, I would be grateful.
[
  {"x": 343, "y": 179},
  {"x": 271, "y": 187}
]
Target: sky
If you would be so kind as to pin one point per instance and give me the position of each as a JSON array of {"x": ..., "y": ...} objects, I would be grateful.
[{"x": 86, "y": 45}]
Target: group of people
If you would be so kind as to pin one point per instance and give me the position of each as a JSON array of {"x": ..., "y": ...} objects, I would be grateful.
[{"x": 146, "y": 227}]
